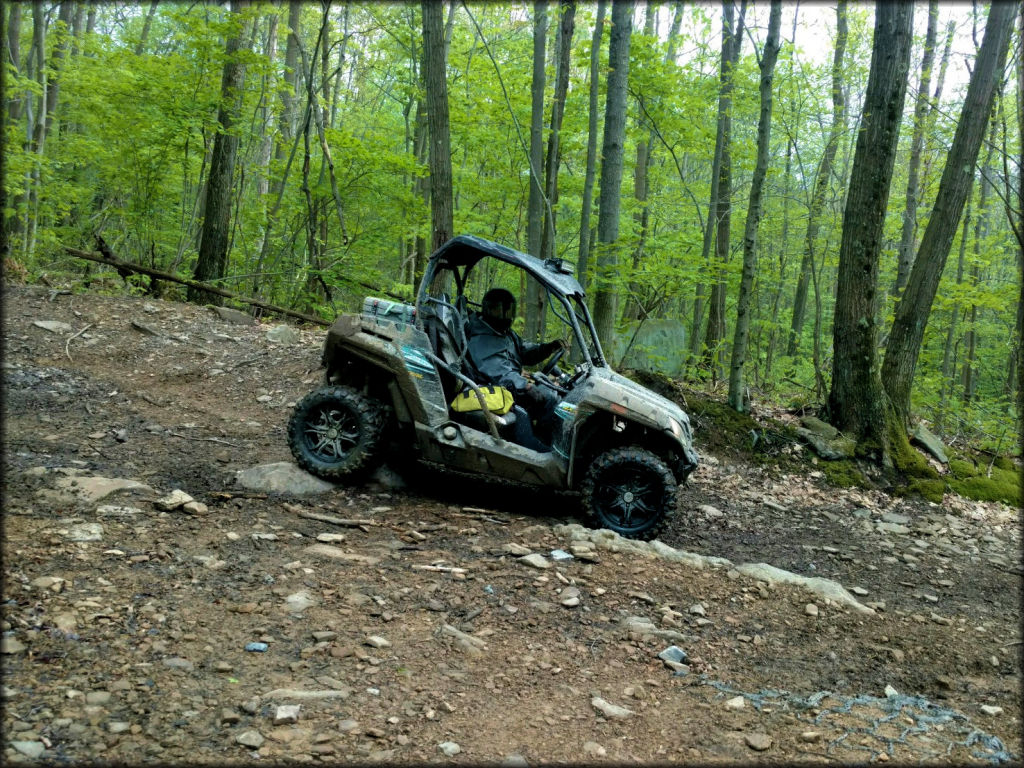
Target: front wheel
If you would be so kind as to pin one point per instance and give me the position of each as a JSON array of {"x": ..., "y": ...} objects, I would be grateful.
[
  {"x": 630, "y": 491},
  {"x": 336, "y": 433}
]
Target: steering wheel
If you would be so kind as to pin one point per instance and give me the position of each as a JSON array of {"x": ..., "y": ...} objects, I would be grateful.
[{"x": 549, "y": 366}]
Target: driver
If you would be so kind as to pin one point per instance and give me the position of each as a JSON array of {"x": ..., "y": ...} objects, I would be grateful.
[{"x": 499, "y": 354}]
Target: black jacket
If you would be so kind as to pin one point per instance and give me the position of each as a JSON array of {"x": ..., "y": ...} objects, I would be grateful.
[{"x": 500, "y": 357}]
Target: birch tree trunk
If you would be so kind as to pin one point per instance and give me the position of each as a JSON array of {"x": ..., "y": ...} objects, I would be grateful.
[{"x": 737, "y": 387}]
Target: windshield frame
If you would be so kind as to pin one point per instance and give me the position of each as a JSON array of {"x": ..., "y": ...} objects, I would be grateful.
[{"x": 460, "y": 256}]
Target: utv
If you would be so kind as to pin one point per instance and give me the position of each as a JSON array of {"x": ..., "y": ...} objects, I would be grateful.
[{"x": 392, "y": 372}]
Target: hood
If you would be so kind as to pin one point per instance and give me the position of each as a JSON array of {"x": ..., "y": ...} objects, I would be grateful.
[{"x": 618, "y": 389}]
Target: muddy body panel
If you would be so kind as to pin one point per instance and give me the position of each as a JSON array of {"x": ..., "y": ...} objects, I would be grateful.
[
  {"x": 393, "y": 347},
  {"x": 470, "y": 450}
]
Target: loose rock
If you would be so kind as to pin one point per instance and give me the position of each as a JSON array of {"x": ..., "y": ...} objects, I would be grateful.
[
  {"x": 286, "y": 714},
  {"x": 759, "y": 742},
  {"x": 536, "y": 561},
  {"x": 449, "y": 748},
  {"x": 609, "y": 710},
  {"x": 252, "y": 739}
]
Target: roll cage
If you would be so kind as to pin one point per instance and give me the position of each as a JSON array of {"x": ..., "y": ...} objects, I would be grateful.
[{"x": 454, "y": 261}]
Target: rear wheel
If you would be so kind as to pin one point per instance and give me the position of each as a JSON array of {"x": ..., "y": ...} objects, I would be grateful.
[
  {"x": 336, "y": 433},
  {"x": 630, "y": 491}
]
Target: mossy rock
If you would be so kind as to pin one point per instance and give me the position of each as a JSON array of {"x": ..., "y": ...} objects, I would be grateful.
[
  {"x": 844, "y": 474},
  {"x": 1004, "y": 486},
  {"x": 909, "y": 460}
]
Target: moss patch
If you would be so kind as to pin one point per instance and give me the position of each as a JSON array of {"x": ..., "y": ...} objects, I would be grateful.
[
  {"x": 961, "y": 469},
  {"x": 932, "y": 490},
  {"x": 1006, "y": 463},
  {"x": 1004, "y": 486},
  {"x": 906, "y": 458},
  {"x": 844, "y": 474}
]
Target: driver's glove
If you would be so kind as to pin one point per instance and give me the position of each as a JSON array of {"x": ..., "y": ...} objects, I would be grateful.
[{"x": 555, "y": 344}]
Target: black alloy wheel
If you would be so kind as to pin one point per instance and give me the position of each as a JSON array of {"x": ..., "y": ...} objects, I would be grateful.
[
  {"x": 630, "y": 491},
  {"x": 336, "y": 433}
]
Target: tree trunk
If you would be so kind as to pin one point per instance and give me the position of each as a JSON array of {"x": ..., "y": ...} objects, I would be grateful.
[
  {"x": 737, "y": 388},
  {"x": 553, "y": 158},
  {"x": 769, "y": 355},
  {"x": 421, "y": 187},
  {"x": 857, "y": 403},
  {"x": 641, "y": 215},
  {"x": 906, "y": 252},
  {"x": 36, "y": 128},
  {"x": 211, "y": 264},
  {"x": 980, "y": 231},
  {"x": 266, "y": 112},
  {"x": 714, "y": 338},
  {"x": 533, "y": 307},
  {"x": 286, "y": 133},
  {"x": 436, "y": 85},
  {"x": 821, "y": 183},
  {"x": 1020, "y": 243},
  {"x": 916, "y": 302},
  {"x": 140, "y": 47},
  {"x": 930, "y": 149},
  {"x": 607, "y": 295},
  {"x": 948, "y": 360},
  {"x": 583, "y": 259},
  {"x": 13, "y": 55},
  {"x": 644, "y": 152}
]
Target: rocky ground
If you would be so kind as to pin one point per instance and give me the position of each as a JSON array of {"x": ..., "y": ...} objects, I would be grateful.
[{"x": 436, "y": 621}]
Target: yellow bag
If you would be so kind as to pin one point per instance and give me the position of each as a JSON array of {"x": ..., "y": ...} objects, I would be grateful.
[{"x": 499, "y": 400}]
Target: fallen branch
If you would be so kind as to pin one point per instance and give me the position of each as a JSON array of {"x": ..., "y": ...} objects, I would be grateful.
[
  {"x": 119, "y": 265},
  {"x": 336, "y": 520},
  {"x": 440, "y": 568},
  {"x": 205, "y": 439},
  {"x": 67, "y": 344}
]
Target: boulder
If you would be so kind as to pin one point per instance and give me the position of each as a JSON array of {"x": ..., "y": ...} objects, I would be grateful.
[
  {"x": 831, "y": 449},
  {"x": 281, "y": 477},
  {"x": 923, "y": 436},
  {"x": 819, "y": 427},
  {"x": 658, "y": 345},
  {"x": 233, "y": 315}
]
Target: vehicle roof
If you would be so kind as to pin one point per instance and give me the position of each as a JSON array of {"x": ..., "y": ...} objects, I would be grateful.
[{"x": 467, "y": 250}]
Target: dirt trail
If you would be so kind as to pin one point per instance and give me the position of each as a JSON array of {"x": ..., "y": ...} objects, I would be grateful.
[{"x": 414, "y": 631}]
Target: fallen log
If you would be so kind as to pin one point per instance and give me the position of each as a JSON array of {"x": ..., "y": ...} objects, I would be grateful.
[{"x": 122, "y": 266}]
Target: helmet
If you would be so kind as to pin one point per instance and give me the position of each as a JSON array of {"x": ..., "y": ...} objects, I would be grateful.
[{"x": 499, "y": 309}]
